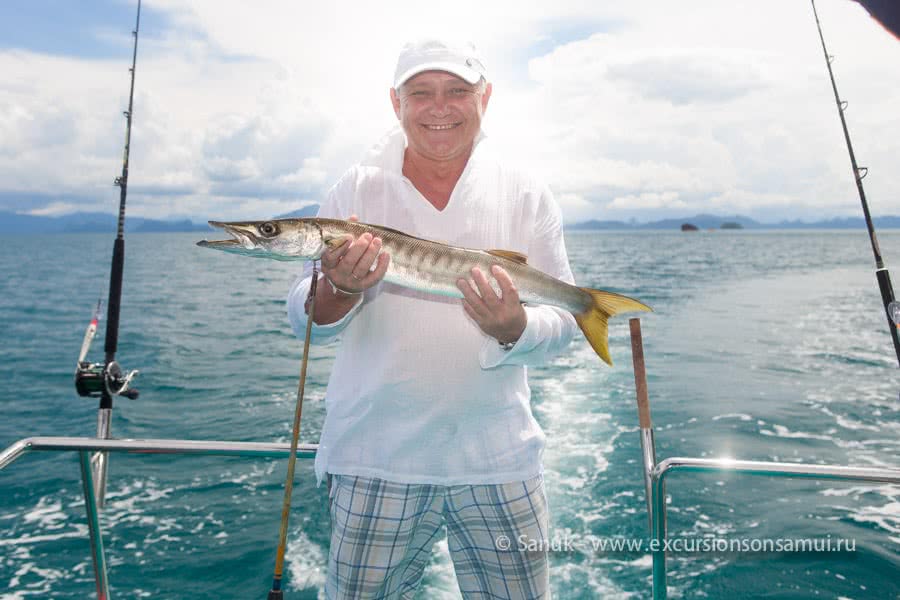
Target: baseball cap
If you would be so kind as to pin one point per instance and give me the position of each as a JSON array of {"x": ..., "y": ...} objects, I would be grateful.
[{"x": 461, "y": 59}]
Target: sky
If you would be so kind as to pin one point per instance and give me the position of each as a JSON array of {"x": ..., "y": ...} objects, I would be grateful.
[{"x": 629, "y": 110}]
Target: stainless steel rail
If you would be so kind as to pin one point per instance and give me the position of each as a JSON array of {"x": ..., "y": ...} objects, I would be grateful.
[
  {"x": 655, "y": 473},
  {"x": 84, "y": 447},
  {"x": 659, "y": 471}
]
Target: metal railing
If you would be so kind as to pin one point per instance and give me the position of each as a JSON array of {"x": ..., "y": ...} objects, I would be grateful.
[
  {"x": 655, "y": 473},
  {"x": 85, "y": 446}
]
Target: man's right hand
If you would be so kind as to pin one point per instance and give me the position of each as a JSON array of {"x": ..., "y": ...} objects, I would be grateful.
[{"x": 349, "y": 268}]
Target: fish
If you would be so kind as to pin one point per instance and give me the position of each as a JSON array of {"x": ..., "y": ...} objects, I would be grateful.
[{"x": 428, "y": 266}]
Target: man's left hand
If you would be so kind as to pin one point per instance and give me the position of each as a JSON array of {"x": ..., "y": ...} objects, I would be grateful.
[{"x": 500, "y": 317}]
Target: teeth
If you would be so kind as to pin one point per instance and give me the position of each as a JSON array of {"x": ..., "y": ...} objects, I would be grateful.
[{"x": 440, "y": 127}]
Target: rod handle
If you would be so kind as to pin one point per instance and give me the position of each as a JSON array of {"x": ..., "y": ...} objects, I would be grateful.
[{"x": 640, "y": 374}]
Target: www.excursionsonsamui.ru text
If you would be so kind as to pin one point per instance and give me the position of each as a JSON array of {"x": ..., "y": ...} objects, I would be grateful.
[{"x": 602, "y": 545}]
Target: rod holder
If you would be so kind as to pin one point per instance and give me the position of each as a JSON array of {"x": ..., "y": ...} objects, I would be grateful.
[
  {"x": 100, "y": 460},
  {"x": 98, "y": 556}
]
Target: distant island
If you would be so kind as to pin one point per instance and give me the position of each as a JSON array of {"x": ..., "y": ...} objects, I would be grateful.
[
  {"x": 106, "y": 223},
  {"x": 727, "y": 225},
  {"x": 729, "y": 222}
]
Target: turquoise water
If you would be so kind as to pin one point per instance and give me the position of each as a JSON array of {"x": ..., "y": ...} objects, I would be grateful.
[{"x": 764, "y": 345}]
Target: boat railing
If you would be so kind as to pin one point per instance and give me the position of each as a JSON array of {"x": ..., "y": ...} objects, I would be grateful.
[
  {"x": 656, "y": 472},
  {"x": 85, "y": 446}
]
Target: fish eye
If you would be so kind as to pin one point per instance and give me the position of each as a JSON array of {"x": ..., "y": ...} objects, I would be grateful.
[{"x": 268, "y": 229}]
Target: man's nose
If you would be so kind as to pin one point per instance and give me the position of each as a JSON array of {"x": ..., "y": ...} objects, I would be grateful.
[{"x": 441, "y": 104}]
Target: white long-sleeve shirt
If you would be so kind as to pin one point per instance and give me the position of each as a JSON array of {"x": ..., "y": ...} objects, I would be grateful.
[{"x": 418, "y": 393}]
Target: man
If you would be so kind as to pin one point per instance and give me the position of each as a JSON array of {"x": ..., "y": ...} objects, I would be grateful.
[{"x": 428, "y": 418}]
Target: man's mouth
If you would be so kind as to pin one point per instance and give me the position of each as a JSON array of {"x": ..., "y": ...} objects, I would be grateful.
[{"x": 441, "y": 127}]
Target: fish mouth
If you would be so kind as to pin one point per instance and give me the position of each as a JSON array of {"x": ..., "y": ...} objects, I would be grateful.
[
  {"x": 242, "y": 237},
  {"x": 220, "y": 244}
]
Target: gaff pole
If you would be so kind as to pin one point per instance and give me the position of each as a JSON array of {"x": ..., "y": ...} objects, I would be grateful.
[{"x": 276, "y": 593}]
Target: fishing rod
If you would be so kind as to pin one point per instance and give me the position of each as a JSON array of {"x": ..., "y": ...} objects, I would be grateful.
[
  {"x": 891, "y": 308},
  {"x": 276, "y": 593},
  {"x": 108, "y": 380}
]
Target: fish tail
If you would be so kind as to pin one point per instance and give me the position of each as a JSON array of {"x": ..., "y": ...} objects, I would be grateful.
[{"x": 593, "y": 321}]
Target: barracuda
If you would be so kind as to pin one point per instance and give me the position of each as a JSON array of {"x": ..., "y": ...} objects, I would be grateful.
[{"x": 428, "y": 266}]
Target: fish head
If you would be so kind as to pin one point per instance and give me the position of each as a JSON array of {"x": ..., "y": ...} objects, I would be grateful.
[{"x": 279, "y": 239}]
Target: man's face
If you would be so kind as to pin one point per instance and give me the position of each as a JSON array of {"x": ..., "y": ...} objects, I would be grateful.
[{"x": 440, "y": 113}]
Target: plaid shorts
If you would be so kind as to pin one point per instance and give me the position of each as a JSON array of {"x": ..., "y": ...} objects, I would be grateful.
[{"x": 382, "y": 534}]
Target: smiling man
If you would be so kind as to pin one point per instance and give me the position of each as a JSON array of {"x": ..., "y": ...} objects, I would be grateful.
[{"x": 428, "y": 418}]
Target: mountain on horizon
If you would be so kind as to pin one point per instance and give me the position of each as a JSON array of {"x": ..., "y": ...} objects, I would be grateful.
[
  {"x": 93, "y": 222},
  {"x": 106, "y": 223},
  {"x": 307, "y": 211},
  {"x": 90, "y": 223}
]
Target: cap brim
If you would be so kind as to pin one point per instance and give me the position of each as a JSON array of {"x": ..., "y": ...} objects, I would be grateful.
[{"x": 470, "y": 75}]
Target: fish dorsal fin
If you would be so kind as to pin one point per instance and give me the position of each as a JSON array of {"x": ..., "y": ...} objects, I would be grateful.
[{"x": 510, "y": 255}]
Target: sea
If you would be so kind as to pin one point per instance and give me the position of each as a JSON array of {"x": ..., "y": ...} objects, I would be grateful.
[{"x": 763, "y": 345}]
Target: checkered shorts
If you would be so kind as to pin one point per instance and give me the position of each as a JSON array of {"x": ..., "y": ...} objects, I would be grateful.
[{"x": 382, "y": 534}]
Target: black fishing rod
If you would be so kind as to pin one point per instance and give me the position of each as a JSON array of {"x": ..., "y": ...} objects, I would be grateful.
[
  {"x": 891, "y": 308},
  {"x": 107, "y": 380},
  {"x": 118, "y": 259}
]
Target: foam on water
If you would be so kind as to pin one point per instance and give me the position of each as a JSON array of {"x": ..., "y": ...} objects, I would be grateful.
[
  {"x": 439, "y": 580},
  {"x": 306, "y": 562}
]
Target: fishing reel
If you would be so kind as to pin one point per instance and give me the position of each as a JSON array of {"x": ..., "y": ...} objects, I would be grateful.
[{"x": 92, "y": 379}]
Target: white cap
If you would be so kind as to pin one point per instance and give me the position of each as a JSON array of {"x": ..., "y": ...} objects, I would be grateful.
[{"x": 462, "y": 60}]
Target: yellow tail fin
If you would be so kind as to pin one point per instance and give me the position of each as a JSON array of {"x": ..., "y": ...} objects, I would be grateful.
[{"x": 593, "y": 321}]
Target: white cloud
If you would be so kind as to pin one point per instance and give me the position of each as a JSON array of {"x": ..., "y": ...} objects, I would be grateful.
[
  {"x": 688, "y": 78},
  {"x": 648, "y": 201},
  {"x": 725, "y": 107},
  {"x": 626, "y": 109},
  {"x": 55, "y": 209}
]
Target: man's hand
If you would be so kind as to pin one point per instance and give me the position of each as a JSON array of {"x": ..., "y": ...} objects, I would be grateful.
[
  {"x": 349, "y": 266},
  {"x": 501, "y": 317}
]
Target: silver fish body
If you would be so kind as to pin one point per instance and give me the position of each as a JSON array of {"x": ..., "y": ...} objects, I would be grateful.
[{"x": 427, "y": 266}]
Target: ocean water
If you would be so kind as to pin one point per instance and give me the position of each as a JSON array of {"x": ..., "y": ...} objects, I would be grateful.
[{"x": 764, "y": 345}]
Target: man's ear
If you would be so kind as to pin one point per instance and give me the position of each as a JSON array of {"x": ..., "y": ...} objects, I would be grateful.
[
  {"x": 395, "y": 101},
  {"x": 486, "y": 96}
]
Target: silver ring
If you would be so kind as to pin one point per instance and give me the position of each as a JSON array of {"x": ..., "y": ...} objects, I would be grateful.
[{"x": 353, "y": 275}]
